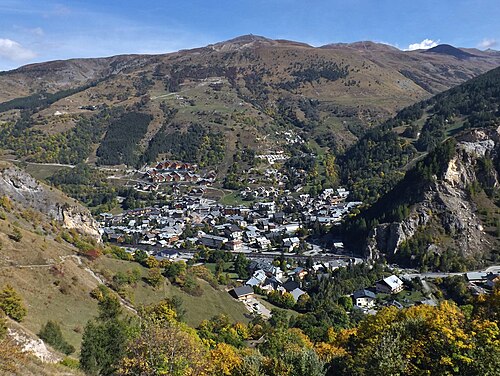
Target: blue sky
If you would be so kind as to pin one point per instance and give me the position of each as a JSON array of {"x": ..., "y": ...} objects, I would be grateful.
[{"x": 33, "y": 31}]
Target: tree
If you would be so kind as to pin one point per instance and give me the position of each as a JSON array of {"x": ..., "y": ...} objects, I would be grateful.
[
  {"x": 154, "y": 277},
  {"x": 140, "y": 256},
  {"x": 241, "y": 266},
  {"x": 331, "y": 170},
  {"x": 250, "y": 365},
  {"x": 346, "y": 302},
  {"x": 224, "y": 359},
  {"x": 52, "y": 334},
  {"x": 164, "y": 348},
  {"x": 12, "y": 304},
  {"x": 104, "y": 339},
  {"x": 151, "y": 262}
]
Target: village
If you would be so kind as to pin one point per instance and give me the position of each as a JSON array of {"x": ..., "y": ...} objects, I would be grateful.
[{"x": 281, "y": 234}]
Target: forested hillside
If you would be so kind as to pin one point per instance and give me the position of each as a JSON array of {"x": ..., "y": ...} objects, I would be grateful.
[
  {"x": 423, "y": 204},
  {"x": 378, "y": 160}
]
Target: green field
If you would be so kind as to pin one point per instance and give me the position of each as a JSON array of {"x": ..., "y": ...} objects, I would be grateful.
[{"x": 42, "y": 171}]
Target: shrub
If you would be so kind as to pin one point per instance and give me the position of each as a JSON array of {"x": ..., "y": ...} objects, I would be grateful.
[
  {"x": 52, "y": 334},
  {"x": 154, "y": 277},
  {"x": 16, "y": 235},
  {"x": 12, "y": 304}
]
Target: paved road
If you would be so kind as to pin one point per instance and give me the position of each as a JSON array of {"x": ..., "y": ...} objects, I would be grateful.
[
  {"x": 252, "y": 254},
  {"x": 432, "y": 275}
]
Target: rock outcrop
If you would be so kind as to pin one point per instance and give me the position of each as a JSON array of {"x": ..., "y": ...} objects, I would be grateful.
[
  {"x": 446, "y": 201},
  {"x": 27, "y": 192}
]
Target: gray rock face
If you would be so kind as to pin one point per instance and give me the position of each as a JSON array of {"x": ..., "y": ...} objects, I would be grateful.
[
  {"x": 447, "y": 201},
  {"x": 24, "y": 190}
]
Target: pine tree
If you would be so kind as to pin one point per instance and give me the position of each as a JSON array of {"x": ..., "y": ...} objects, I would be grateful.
[{"x": 12, "y": 304}]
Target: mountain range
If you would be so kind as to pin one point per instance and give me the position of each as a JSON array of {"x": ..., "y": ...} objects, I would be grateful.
[{"x": 248, "y": 89}]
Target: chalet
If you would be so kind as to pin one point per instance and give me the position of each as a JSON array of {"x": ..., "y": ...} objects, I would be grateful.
[
  {"x": 263, "y": 242},
  {"x": 258, "y": 278},
  {"x": 116, "y": 238},
  {"x": 290, "y": 228},
  {"x": 291, "y": 285},
  {"x": 390, "y": 285},
  {"x": 276, "y": 272},
  {"x": 363, "y": 298},
  {"x": 234, "y": 232},
  {"x": 263, "y": 264},
  {"x": 297, "y": 293},
  {"x": 270, "y": 284},
  {"x": 166, "y": 254},
  {"x": 242, "y": 293},
  {"x": 492, "y": 279},
  {"x": 234, "y": 245}
]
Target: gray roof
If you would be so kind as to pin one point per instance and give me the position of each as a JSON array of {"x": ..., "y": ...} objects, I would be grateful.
[
  {"x": 241, "y": 291},
  {"x": 290, "y": 285},
  {"x": 363, "y": 294},
  {"x": 476, "y": 276},
  {"x": 296, "y": 293},
  {"x": 392, "y": 281}
]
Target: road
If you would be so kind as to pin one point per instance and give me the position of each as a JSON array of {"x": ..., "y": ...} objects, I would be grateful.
[
  {"x": 40, "y": 164},
  {"x": 250, "y": 253},
  {"x": 432, "y": 275}
]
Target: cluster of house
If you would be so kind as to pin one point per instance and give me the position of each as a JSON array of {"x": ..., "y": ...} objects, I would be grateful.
[
  {"x": 481, "y": 282},
  {"x": 262, "y": 227},
  {"x": 290, "y": 137},
  {"x": 176, "y": 172},
  {"x": 273, "y": 158},
  {"x": 365, "y": 298},
  {"x": 269, "y": 278}
]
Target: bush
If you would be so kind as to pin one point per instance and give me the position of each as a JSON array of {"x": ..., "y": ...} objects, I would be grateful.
[
  {"x": 154, "y": 277},
  {"x": 16, "y": 235},
  {"x": 70, "y": 363},
  {"x": 51, "y": 333},
  {"x": 12, "y": 304}
]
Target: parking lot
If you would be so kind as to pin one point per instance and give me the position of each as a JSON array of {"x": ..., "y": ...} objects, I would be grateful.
[{"x": 254, "y": 306}]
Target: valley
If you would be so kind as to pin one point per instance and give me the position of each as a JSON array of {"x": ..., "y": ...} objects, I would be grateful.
[{"x": 266, "y": 205}]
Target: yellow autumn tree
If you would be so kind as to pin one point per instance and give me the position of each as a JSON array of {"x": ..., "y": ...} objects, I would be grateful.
[{"x": 224, "y": 359}]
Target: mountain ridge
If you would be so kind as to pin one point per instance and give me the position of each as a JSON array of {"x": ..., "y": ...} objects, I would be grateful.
[{"x": 246, "y": 88}]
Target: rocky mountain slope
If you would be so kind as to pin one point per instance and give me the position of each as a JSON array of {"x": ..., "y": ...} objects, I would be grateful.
[
  {"x": 27, "y": 192},
  {"x": 249, "y": 90},
  {"x": 448, "y": 212},
  {"x": 431, "y": 177}
]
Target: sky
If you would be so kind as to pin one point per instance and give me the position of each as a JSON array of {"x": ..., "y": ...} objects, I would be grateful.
[{"x": 42, "y": 30}]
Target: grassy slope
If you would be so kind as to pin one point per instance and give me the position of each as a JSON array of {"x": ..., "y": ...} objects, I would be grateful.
[
  {"x": 211, "y": 303},
  {"x": 38, "y": 268}
]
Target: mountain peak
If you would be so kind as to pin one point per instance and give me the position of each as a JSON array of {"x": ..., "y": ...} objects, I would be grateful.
[
  {"x": 446, "y": 49},
  {"x": 243, "y": 41}
]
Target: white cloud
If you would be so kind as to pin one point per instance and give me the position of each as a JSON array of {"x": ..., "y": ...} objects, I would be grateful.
[
  {"x": 11, "y": 50},
  {"x": 487, "y": 43},
  {"x": 424, "y": 45}
]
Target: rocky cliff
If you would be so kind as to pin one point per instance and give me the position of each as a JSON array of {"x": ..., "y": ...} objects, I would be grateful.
[
  {"x": 446, "y": 203},
  {"x": 27, "y": 192}
]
